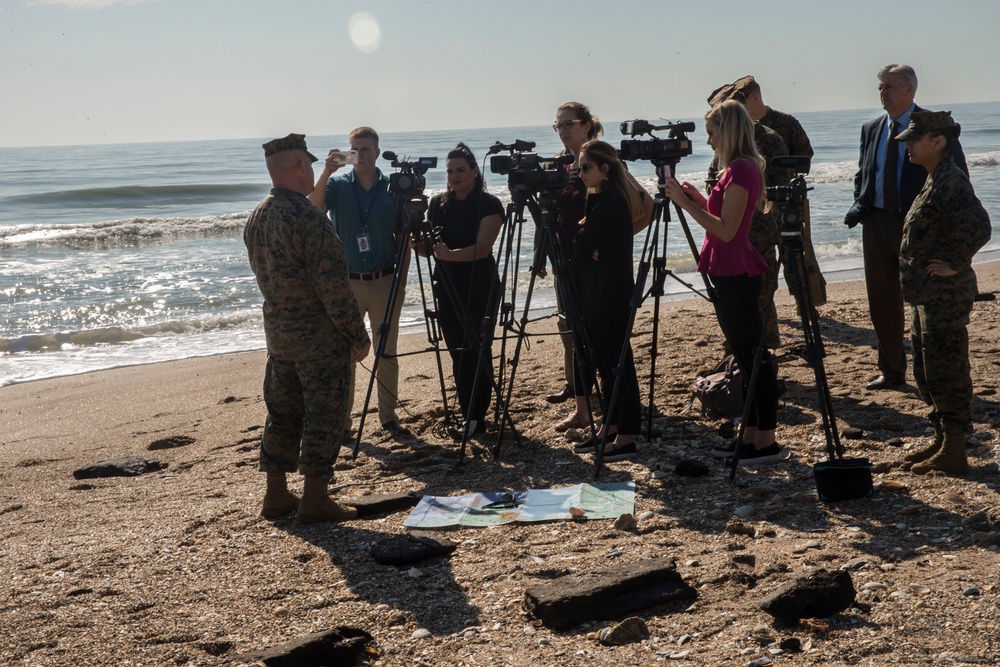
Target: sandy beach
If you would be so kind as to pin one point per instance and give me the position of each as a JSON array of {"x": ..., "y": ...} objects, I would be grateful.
[{"x": 176, "y": 567}]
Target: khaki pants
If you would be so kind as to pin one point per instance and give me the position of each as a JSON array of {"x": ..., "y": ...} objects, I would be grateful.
[{"x": 373, "y": 298}]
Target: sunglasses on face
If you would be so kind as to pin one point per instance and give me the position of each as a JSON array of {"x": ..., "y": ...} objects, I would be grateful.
[{"x": 587, "y": 166}]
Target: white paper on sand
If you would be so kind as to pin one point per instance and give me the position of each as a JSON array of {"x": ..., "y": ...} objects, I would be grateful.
[{"x": 598, "y": 501}]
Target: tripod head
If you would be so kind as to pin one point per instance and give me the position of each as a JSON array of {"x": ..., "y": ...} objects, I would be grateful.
[{"x": 791, "y": 199}]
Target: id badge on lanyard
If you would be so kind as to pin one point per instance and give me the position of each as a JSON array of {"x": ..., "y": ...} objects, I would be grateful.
[
  {"x": 364, "y": 238},
  {"x": 364, "y": 242}
]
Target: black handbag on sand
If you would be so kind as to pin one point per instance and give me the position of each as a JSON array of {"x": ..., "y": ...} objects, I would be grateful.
[{"x": 843, "y": 479}]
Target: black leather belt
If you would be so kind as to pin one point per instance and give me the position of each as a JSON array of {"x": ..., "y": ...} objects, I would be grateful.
[{"x": 373, "y": 275}]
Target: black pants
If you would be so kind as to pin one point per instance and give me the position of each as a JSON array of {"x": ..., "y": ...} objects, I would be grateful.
[
  {"x": 608, "y": 338},
  {"x": 740, "y": 319},
  {"x": 474, "y": 398}
]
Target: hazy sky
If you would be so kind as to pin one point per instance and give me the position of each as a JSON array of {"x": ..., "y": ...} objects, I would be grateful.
[{"x": 104, "y": 71}]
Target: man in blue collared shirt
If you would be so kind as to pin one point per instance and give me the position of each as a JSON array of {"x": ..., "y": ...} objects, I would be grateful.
[
  {"x": 364, "y": 216},
  {"x": 883, "y": 220}
]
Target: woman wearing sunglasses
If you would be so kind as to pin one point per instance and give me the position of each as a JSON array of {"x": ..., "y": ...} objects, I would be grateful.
[
  {"x": 576, "y": 125},
  {"x": 603, "y": 248}
]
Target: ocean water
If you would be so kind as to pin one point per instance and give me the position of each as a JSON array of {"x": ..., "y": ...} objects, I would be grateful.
[{"x": 124, "y": 254}]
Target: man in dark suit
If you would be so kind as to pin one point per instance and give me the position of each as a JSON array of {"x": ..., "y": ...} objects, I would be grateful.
[{"x": 881, "y": 204}]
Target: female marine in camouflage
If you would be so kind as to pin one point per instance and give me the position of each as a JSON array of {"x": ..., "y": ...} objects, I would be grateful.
[{"x": 943, "y": 230}]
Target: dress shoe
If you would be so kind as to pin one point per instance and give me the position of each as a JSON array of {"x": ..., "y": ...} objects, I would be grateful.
[
  {"x": 882, "y": 382},
  {"x": 562, "y": 396}
]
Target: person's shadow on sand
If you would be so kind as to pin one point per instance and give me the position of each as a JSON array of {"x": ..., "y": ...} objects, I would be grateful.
[{"x": 432, "y": 599}]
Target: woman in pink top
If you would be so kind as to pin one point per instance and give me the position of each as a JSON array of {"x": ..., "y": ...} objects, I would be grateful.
[{"x": 734, "y": 267}]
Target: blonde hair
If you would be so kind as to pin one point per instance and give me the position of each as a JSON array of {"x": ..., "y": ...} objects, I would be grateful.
[
  {"x": 735, "y": 140},
  {"x": 601, "y": 153}
]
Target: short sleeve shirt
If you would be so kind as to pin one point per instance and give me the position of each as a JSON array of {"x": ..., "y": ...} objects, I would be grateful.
[
  {"x": 737, "y": 256},
  {"x": 366, "y": 222}
]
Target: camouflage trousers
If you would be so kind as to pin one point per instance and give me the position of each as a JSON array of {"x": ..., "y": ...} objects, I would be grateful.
[
  {"x": 941, "y": 361},
  {"x": 764, "y": 238},
  {"x": 306, "y": 411}
]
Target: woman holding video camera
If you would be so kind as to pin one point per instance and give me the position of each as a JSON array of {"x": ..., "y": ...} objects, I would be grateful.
[
  {"x": 465, "y": 279},
  {"x": 603, "y": 248},
  {"x": 734, "y": 267}
]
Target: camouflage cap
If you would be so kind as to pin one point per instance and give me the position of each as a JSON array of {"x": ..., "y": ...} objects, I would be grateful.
[
  {"x": 290, "y": 143},
  {"x": 922, "y": 122},
  {"x": 743, "y": 83},
  {"x": 723, "y": 93}
]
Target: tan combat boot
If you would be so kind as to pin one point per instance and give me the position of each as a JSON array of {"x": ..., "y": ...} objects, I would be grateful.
[
  {"x": 317, "y": 506},
  {"x": 278, "y": 500},
  {"x": 951, "y": 459},
  {"x": 930, "y": 450}
]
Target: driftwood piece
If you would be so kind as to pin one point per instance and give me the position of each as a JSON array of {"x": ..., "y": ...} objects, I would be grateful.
[
  {"x": 127, "y": 466},
  {"x": 339, "y": 646},
  {"x": 383, "y": 503},
  {"x": 604, "y": 594},
  {"x": 820, "y": 594}
]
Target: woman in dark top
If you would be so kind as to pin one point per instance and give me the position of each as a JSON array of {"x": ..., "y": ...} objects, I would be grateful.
[
  {"x": 735, "y": 268},
  {"x": 465, "y": 278},
  {"x": 603, "y": 247},
  {"x": 576, "y": 125}
]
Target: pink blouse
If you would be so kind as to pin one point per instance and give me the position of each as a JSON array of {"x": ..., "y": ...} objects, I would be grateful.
[{"x": 719, "y": 258}]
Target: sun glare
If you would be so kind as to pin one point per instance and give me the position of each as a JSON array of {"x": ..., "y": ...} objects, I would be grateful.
[{"x": 364, "y": 32}]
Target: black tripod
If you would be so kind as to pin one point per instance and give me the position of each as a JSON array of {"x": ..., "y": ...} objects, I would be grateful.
[
  {"x": 410, "y": 210},
  {"x": 479, "y": 341},
  {"x": 664, "y": 155},
  {"x": 791, "y": 201},
  {"x": 542, "y": 207},
  {"x": 654, "y": 257}
]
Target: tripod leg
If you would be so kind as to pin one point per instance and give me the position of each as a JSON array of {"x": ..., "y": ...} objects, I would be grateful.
[
  {"x": 383, "y": 331},
  {"x": 814, "y": 352},
  {"x": 638, "y": 290}
]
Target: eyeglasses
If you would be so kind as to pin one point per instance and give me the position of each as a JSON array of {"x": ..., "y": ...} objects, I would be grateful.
[
  {"x": 565, "y": 125},
  {"x": 587, "y": 166}
]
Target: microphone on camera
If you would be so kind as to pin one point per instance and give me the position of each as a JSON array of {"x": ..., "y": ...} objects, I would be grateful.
[{"x": 519, "y": 146}]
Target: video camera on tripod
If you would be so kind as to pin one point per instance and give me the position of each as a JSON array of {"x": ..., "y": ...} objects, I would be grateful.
[
  {"x": 407, "y": 186},
  {"x": 409, "y": 181},
  {"x": 655, "y": 149},
  {"x": 526, "y": 170},
  {"x": 791, "y": 199}
]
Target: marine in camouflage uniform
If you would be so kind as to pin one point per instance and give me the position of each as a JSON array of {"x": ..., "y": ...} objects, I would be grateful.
[
  {"x": 946, "y": 223},
  {"x": 764, "y": 230},
  {"x": 797, "y": 143},
  {"x": 312, "y": 325}
]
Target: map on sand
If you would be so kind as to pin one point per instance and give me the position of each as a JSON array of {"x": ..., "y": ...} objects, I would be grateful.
[{"x": 493, "y": 508}]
